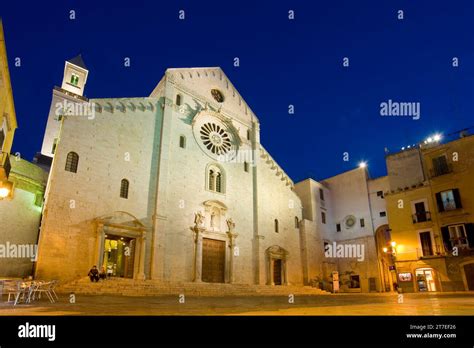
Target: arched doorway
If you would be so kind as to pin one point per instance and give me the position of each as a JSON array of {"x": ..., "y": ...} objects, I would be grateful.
[
  {"x": 276, "y": 265},
  {"x": 120, "y": 247}
]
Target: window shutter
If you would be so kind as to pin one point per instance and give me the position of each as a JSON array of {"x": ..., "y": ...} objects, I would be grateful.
[
  {"x": 457, "y": 198},
  {"x": 470, "y": 234},
  {"x": 439, "y": 201},
  {"x": 446, "y": 241}
]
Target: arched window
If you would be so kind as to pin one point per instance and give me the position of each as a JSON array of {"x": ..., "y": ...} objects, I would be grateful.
[
  {"x": 178, "y": 99},
  {"x": 72, "y": 161},
  {"x": 124, "y": 188},
  {"x": 215, "y": 179},
  {"x": 182, "y": 141},
  {"x": 297, "y": 222},
  {"x": 276, "y": 225}
]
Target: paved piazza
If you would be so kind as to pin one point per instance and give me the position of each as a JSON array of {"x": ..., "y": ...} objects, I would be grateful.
[{"x": 338, "y": 304}]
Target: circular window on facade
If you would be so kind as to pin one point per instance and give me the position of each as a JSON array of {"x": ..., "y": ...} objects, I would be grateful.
[
  {"x": 217, "y": 95},
  {"x": 215, "y": 138},
  {"x": 350, "y": 221}
]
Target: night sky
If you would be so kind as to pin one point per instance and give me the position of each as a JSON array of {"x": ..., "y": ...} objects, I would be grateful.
[{"x": 282, "y": 62}]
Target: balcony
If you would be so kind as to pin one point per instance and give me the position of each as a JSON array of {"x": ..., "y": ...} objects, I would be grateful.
[
  {"x": 441, "y": 170},
  {"x": 423, "y": 216},
  {"x": 5, "y": 166}
]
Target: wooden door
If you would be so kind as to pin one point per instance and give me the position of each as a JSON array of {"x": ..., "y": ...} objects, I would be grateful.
[
  {"x": 277, "y": 272},
  {"x": 213, "y": 261}
]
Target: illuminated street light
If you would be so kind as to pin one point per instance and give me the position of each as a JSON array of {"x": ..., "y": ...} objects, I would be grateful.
[
  {"x": 4, "y": 192},
  {"x": 362, "y": 164},
  {"x": 437, "y": 137},
  {"x": 393, "y": 244},
  {"x": 385, "y": 250}
]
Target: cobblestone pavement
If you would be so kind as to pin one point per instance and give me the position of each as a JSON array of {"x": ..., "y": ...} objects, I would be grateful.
[{"x": 338, "y": 304}]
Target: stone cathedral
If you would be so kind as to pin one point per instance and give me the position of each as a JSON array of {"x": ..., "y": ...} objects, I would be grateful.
[
  {"x": 174, "y": 186},
  {"x": 177, "y": 187}
]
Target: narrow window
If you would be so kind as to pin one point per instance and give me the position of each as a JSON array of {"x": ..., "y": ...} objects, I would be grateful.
[
  {"x": 2, "y": 138},
  {"x": 321, "y": 194},
  {"x": 362, "y": 223},
  {"x": 178, "y": 99},
  {"x": 297, "y": 222},
  {"x": 323, "y": 217},
  {"x": 276, "y": 225},
  {"x": 182, "y": 141},
  {"x": 124, "y": 188},
  {"x": 211, "y": 180},
  {"x": 338, "y": 227},
  {"x": 219, "y": 182},
  {"x": 72, "y": 161},
  {"x": 55, "y": 144},
  {"x": 74, "y": 79},
  {"x": 380, "y": 194},
  {"x": 246, "y": 166},
  {"x": 248, "y": 134},
  {"x": 383, "y": 214}
]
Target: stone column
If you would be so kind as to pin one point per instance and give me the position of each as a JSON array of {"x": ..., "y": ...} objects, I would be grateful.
[
  {"x": 141, "y": 265},
  {"x": 100, "y": 244},
  {"x": 272, "y": 267},
  {"x": 285, "y": 272},
  {"x": 232, "y": 237},
  {"x": 197, "y": 276}
]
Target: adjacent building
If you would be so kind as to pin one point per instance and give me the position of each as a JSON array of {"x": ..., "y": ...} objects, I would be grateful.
[
  {"x": 8, "y": 123},
  {"x": 431, "y": 215},
  {"x": 348, "y": 210},
  {"x": 22, "y": 186}
]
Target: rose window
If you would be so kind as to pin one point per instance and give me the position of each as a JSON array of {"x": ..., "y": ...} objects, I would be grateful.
[{"x": 215, "y": 138}]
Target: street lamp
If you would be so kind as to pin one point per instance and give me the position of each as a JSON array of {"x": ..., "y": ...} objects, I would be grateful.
[{"x": 4, "y": 192}]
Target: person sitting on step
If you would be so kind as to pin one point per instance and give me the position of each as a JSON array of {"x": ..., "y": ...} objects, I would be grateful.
[
  {"x": 94, "y": 274},
  {"x": 102, "y": 274}
]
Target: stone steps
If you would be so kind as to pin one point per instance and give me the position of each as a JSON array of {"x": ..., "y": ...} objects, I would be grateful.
[{"x": 130, "y": 287}]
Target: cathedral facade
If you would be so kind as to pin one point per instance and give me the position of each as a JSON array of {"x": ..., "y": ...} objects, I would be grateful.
[{"x": 175, "y": 186}]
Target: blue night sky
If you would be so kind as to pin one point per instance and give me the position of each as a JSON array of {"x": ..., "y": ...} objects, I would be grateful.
[{"x": 282, "y": 62}]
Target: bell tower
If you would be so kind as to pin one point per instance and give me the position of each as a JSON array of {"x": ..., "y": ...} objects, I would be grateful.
[
  {"x": 71, "y": 92},
  {"x": 75, "y": 76}
]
